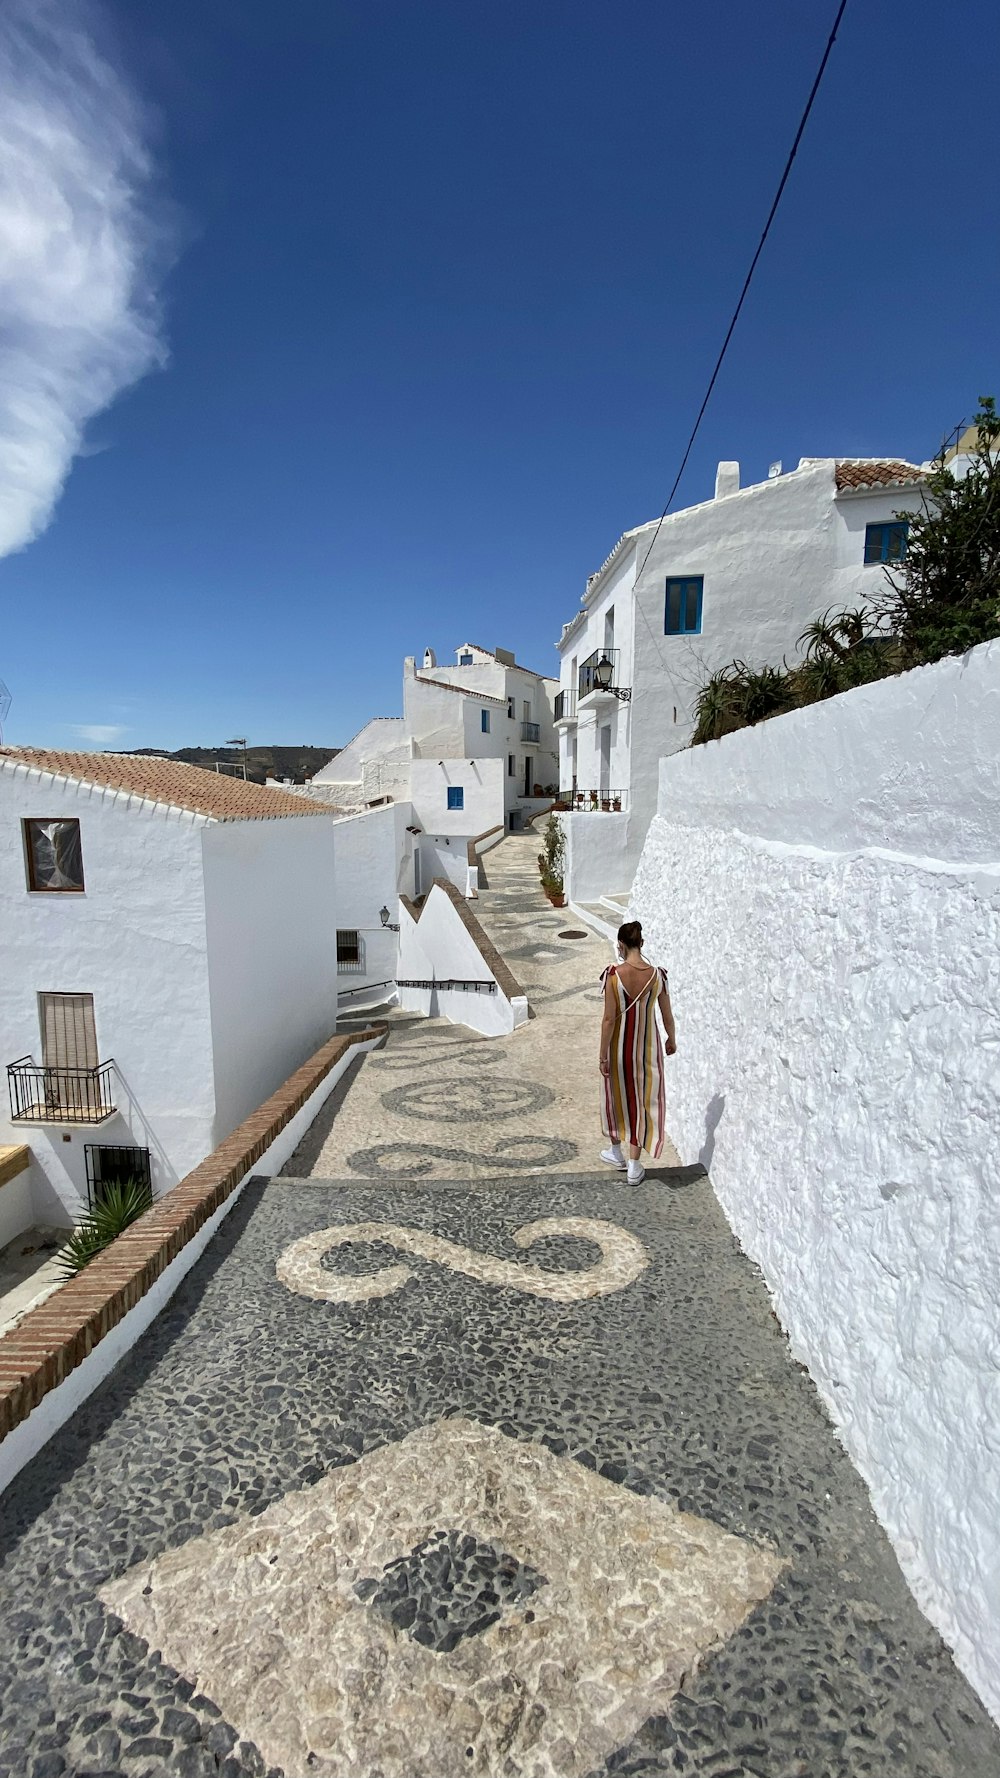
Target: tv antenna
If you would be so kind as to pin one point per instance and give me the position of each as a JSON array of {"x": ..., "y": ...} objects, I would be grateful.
[{"x": 4, "y": 706}]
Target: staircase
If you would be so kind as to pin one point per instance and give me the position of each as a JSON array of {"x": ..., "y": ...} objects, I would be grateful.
[{"x": 605, "y": 916}]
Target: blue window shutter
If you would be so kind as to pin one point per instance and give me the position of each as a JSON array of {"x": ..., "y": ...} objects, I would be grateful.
[
  {"x": 886, "y": 542},
  {"x": 682, "y": 609},
  {"x": 456, "y": 796},
  {"x": 486, "y": 721}
]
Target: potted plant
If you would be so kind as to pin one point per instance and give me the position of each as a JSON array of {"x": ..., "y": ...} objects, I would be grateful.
[
  {"x": 550, "y": 862},
  {"x": 616, "y": 803},
  {"x": 594, "y": 799}
]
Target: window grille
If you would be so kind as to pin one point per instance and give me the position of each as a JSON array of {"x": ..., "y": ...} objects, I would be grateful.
[
  {"x": 350, "y": 951},
  {"x": 107, "y": 1165}
]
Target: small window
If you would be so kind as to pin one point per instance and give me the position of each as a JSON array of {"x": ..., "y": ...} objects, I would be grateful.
[
  {"x": 511, "y": 766},
  {"x": 485, "y": 717},
  {"x": 55, "y": 860},
  {"x": 886, "y": 543},
  {"x": 510, "y": 709},
  {"x": 682, "y": 616},
  {"x": 465, "y": 660},
  {"x": 115, "y": 1166},
  {"x": 348, "y": 949},
  {"x": 456, "y": 796}
]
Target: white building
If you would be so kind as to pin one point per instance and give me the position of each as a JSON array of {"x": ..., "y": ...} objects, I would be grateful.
[
  {"x": 168, "y": 960},
  {"x": 473, "y": 756},
  {"x": 485, "y": 708},
  {"x": 737, "y": 577}
]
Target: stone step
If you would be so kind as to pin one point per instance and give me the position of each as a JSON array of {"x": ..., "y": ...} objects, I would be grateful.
[{"x": 599, "y": 917}]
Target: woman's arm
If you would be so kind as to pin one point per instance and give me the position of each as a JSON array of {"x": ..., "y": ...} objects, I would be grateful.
[
  {"x": 608, "y": 1022},
  {"x": 667, "y": 1015}
]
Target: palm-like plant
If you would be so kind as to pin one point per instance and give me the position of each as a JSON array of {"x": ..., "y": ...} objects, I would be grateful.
[
  {"x": 717, "y": 709},
  {"x": 121, "y": 1202}
]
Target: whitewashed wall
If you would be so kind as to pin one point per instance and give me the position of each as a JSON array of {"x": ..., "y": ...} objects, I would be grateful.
[
  {"x": 271, "y": 925},
  {"x": 594, "y": 855},
  {"x": 482, "y": 781},
  {"x": 374, "y": 854},
  {"x": 439, "y": 946},
  {"x": 825, "y": 889},
  {"x": 136, "y": 941}
]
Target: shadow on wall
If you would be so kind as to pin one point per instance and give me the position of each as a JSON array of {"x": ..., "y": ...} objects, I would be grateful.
[{"x": 713, "y": 1118}]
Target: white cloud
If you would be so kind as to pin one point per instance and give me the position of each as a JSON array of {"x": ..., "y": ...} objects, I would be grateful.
[
  {"x": 77, "y": 249},
  {"x": 100, "y": 733}
]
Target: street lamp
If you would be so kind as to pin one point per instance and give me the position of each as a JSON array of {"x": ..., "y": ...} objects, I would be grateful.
[
  {"x": 387, "y": 923},
  {"x": 604, "y": 672}
]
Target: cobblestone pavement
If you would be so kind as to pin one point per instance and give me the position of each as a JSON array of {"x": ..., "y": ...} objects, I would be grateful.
[
  {"x": 503, "y": 1474},
  {"x": 440, "y": 1099}
]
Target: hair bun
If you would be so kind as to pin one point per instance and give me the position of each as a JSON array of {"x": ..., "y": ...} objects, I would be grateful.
[{"x": 630, "y": 935}]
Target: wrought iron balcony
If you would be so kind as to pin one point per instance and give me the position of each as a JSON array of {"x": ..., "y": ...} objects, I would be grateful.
[
  {"x": 598, "y": 675},
  {"x": 565, "y": 706},
  {"x": 598, "y": 802},
  {"x": 529, "y": 731},
  {"x": 40, "y": 1095}
]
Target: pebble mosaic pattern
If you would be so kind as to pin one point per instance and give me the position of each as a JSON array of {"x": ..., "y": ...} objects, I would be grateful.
[
  {"x": 448, "y": 1587},
  {"x": 677, "y": 1391},
  {"x": 302, "y": 1266}
]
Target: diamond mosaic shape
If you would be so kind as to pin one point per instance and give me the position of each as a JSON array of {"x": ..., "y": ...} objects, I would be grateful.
[
  {"x": 264, "y": 1616},
  {"x": 449, "y": 1586}
]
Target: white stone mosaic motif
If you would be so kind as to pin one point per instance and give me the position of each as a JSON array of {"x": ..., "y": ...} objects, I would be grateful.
[
  {"x": 623, "y": 1258},
  {"x": 271, "y": 1617}
]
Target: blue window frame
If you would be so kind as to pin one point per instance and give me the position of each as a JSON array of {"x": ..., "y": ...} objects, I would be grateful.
[
  {"x": 456, "y": 796},
  {"x": 682, "y": 610},
  {"x": 486, "y": 721},
  {"x": 465, "y": 660},
  {"x": 886, "y": 543}
]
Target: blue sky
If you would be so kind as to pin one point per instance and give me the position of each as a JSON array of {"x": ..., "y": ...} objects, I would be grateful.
[{"x": 438, "y": 289}]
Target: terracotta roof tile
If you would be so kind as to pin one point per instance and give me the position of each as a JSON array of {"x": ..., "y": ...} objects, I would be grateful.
[
  {"x": 166, "y": 781},
  {"x": 876, "y": 472}
]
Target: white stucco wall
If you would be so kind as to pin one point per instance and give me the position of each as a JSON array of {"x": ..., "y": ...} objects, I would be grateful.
[
  {"x": 374, "y": 856},
  {"x": 439, "y": 947},
  {"x": 135, "y": 940},
  {"x": 825, "y": 890},
  {"x": 271, "y": 923},
  {"x": 482, "y": 782},
  {"x": 594, "y": 847},
  {"x": 379, "y": 738}
]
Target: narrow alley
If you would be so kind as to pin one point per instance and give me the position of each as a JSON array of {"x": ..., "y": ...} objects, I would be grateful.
[{"x": 456, "y": 1455}]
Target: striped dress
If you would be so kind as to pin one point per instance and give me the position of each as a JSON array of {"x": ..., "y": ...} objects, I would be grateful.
[{"x": 632, "y": 1098}]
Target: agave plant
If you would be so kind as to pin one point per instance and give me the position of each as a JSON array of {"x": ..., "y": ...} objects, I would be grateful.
[
  {"x": 717, "y": 709},
  {"x": 121, "y": 1203},
  {"x": 760, "y": 694}
]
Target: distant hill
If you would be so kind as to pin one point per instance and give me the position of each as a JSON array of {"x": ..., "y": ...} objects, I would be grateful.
[{"x": 297, "y": 763}]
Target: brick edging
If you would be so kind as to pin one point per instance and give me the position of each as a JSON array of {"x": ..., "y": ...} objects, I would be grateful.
[
  {"x": 44, "y": 1348},
  {"x": 501, "y": 971}
]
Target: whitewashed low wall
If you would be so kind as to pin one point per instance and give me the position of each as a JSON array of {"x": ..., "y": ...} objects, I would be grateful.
[
  {"x": 825, "y": 890},
  {"x": 440, "y": 947},
  {"x": 595, "y": 855}
]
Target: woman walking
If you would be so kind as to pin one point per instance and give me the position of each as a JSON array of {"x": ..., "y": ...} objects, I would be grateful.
[{"x": 632, "y": 1097}]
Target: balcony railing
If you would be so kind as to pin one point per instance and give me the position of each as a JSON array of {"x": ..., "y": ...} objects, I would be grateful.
[
  {"x": 599, "y": 675},
  {"x": 597, "y": 802},
  {"x": 529, "y": 731},
  {"x": 40, "y": 1095},
  {"x": 565, "y": 707}
]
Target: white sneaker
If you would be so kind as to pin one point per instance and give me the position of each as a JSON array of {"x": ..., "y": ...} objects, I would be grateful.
[
  {"x": 614, "y": 1158},
  {"x": 636, "y": 1173}
]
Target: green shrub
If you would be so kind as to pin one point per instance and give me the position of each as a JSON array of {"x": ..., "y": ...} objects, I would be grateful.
[
  {"x": 121, "y": 1203},
  {"x": 552, "y": 857}
]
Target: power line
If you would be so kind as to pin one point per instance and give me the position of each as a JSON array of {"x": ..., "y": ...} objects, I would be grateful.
[{"x": 748, "y": 279}]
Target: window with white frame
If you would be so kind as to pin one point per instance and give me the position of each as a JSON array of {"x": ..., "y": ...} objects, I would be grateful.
[{"x": 54, "y": 857}]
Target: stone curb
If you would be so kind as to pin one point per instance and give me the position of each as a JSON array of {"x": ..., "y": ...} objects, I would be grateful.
[{"x": 44, "y": 1348}]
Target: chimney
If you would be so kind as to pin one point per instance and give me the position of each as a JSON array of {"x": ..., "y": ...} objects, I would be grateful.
[
  {"x": 505, "y": 657},
  {"x": 727, "y": 480}
]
